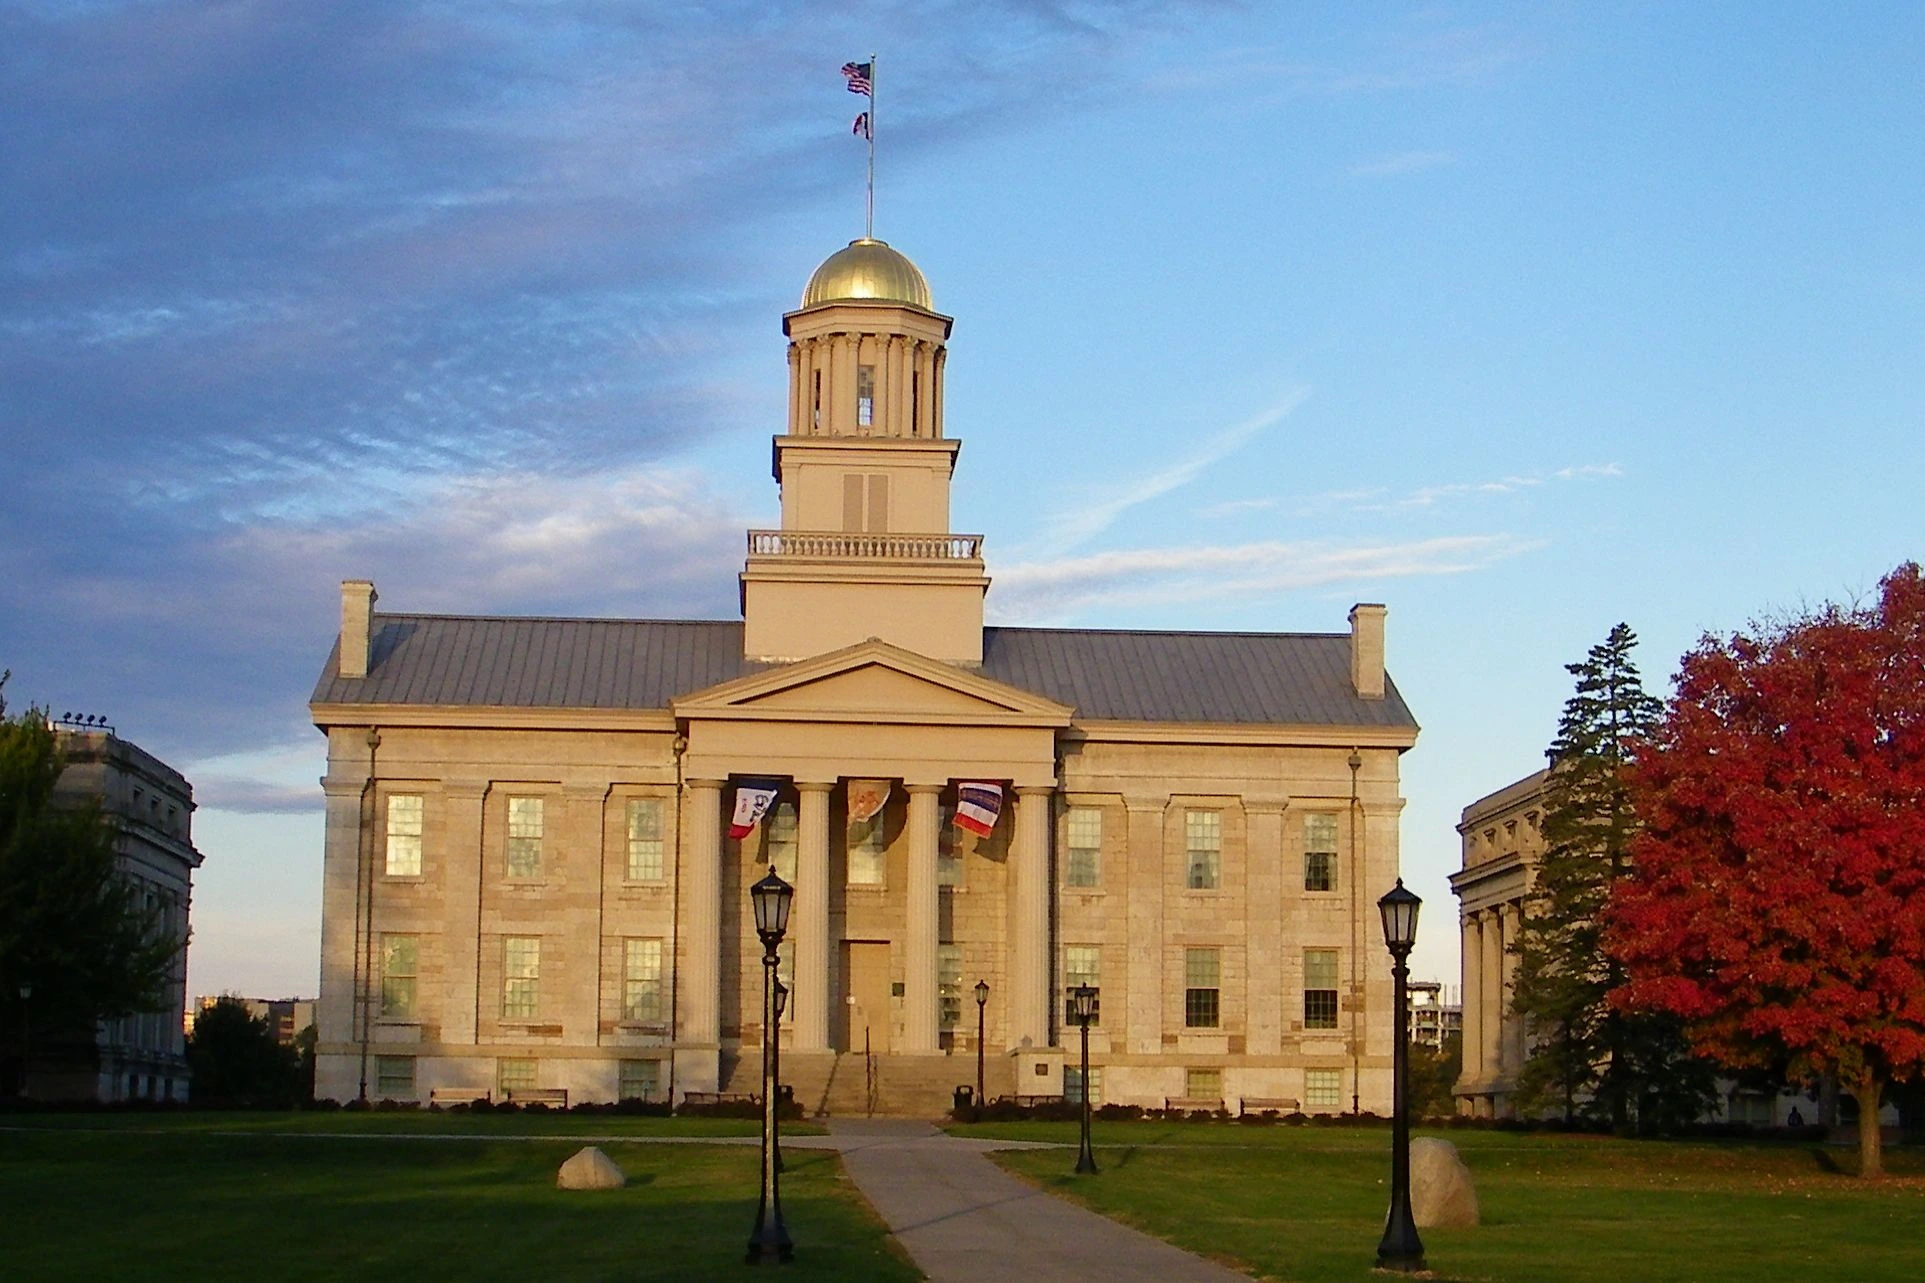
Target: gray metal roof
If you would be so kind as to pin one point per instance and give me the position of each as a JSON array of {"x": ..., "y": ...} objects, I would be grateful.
[{"x": 519, "y": 662}]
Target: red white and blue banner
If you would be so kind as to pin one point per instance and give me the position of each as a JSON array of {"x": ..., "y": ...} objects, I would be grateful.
[
  {"x": 977, "y": 806},
  {"x": 753, "y": 798}
]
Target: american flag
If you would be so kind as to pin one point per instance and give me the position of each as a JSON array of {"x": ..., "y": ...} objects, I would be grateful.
[
  {"x": 861, "y": 128},
  {"x": 861, "y": 77}
]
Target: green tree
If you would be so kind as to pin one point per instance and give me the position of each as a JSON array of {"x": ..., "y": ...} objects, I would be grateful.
[
  {"x": 1586, "y": 1057},
  {"x": 237, "y": 1060},
  {"x": 1433, "y": 1077},
  {"x": 70, "y": 924}
]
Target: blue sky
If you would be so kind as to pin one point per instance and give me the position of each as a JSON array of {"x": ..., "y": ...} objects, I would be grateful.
[{"x": 1523, "y": 319}]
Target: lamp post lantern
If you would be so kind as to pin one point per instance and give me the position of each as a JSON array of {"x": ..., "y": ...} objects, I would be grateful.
[
  {"x": 1400, "y": 1249},
  {"x": 982, "y": 1004},
  {"x": 1082, "y": 1006},
  {"x": 770, "y": 1242}
]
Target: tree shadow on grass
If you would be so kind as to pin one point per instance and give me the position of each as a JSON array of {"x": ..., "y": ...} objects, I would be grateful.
[{"x": 1826, "y": 1162}]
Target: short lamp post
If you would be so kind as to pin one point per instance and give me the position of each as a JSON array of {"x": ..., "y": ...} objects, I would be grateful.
[
  {"x": 770, "y": 1242},
  {"x": 1401, "y": 1249},
  {"x": 775, "y": 1054},
  {"x": 982, "y": 1005},
  {"x": 1082, "y": 1009},
  {"x": 26, "y": 1033}
]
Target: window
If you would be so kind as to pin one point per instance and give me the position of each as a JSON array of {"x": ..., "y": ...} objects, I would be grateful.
[
  {"x": 642, "y": 981},
  {"x": 400, "y": 955},
  {"x": 514, "y": 1075},
  {"x": 1073, "y": 1085},
  {"x": 1320, "y": 852},
  {"x": 520, "y": 977},
  {"x": 867, "y": 851},
  {"x": 1082, "y": 965},
  {"x": 949, "y": 978},
  {"x": 1202, "y": 973},
  {"x": 779, "y": 840},
  {"x": 1203, "y": 837},
  {"x": 394, "y": 1075},
  {"x": 1085, "y": 834},
  {"x": 865, "y": 502},
  {"x": 640, "y": 1080},
  {"x": 949, "y": 860},
  {"x": 815, "y": 405},
  {"x": 1323, "y": 1088},
  {"x": 645, "y": 839},
  {"x": 865, "y": 395},
  {"x": 1203, "y": 1084},
  {"x": 404, "y": 835},
  {"x": 1319, "y": 988},
  {"x": 524, "y": 837}
]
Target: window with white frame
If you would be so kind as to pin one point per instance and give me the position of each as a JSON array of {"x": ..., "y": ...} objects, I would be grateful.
[
  {"x": 1082, "y": 965},
  {"x": 1202, "y": 980},
  {"x": 1204, "y": 1083},
  {"x": 949, "y": 857},
  {"x": 1320, "y": 852},
  {"x": 515, "y": 1075},
  {"x": 779, "y": 844},
  {"x": 868, "y": 851},
  {"x": 639, "y": 1080},
  {"x": 404, "y": 835},
  {"x": 394, "y": 1076},
  {"x": 1319, "y": 988},
  {"x": 1084, "y": 834},
  {"x": 400, "y": 962},
  {"x": 645, "y": 839},
  {"x": 524, "y": 837},
  {"x": 1073, "y": 1084},
  {"x": 1323, "y": 1088},
  {"x": 642, "y": 981},
  {"x": 520, "y": 977},
  {"x": 949, "y": 983},
  {"x": 1203, "y": 840}
]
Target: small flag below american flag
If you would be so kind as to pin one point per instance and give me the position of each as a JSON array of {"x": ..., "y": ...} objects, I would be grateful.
[
  {"x": 861, "y": 77},
  {"x": 862, "y": 128}
]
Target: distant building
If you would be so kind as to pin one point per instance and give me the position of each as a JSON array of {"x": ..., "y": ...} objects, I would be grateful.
[
  {"x": 1435, "y": 1014},
  {"x": 139, "y": 1057},
  {"x": 1503, "y": 841},
  {"x": 287, "y": 1017}
]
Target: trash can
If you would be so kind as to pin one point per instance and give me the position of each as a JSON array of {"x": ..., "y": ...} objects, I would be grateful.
[{"x": 964, "y": 1096}]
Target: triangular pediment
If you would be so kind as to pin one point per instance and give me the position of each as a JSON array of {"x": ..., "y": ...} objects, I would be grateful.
[{"x": 873, "y": 681}]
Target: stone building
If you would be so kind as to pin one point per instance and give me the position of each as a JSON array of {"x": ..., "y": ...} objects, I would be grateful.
[
  {"x": 1503, "y": 840},
  {"x": 144, "y": 1056},
  {"x": 530, "y": 889}
]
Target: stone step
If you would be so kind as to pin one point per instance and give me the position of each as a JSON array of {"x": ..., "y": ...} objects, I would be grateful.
[{"x": 840, "y": 1084}]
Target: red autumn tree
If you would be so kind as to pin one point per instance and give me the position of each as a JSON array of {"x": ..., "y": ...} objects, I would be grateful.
[{"x": 1777, "y": 902}]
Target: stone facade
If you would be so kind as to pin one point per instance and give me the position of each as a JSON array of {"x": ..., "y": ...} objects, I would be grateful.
[
  {"x": 1503, "y": 841},
  {"x": 530, "y": 889}
]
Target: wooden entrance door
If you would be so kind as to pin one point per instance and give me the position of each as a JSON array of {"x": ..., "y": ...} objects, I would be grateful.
[{"x": 865, "y": 971}]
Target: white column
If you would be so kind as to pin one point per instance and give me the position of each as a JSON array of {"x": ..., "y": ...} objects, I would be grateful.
[
  {"x": 699, "y": 979},
  {"x": 1029, "y": 950},
  {"x": 921, "y": 1010},
  {"x": 1493, "y": 975},
  {"x": 1472, "y": 1000},
  {"x": 1512, "y": 1026},
  {"x": 809, "y": 919}
]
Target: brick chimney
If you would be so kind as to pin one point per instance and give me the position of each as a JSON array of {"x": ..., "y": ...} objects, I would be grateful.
[
  {"x": 1367, "y": 649},
  {"x": 357, "y": 617}
]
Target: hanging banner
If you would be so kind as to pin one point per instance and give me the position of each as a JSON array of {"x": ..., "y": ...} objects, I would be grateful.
[
  {"x": 977, "y": 806},
  {"x": 866, "y": 799},
  {"x": 753, "y": 798}
]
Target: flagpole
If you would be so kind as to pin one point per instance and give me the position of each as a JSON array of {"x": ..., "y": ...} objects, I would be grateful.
[{"x": 870, "y": 229}]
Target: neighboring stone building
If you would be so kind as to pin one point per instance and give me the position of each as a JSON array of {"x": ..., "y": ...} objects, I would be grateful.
[
  {"x": 1435, "y": 1016},
  {"x": 530, "y": 890},
  {"x": 1503, "y": 840},
  {"x": 141, "y": 1057}
]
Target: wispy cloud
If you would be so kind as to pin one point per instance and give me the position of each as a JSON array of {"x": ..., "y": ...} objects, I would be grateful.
[
  {"x": 1060, "y": 590},
  {"x": 1403, "y": 162},
  {"x": 1070, "y": 528},
  {"x": 1381, "y": 500}
]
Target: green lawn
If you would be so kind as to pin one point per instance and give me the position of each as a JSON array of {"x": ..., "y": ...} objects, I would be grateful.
[
  {"x": 403, "y": 1196},
  {"x": 1306, "y": 1204}
]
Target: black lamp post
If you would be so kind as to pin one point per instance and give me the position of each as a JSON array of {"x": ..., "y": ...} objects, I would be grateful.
[
  {"x": 770, "y": 1241},
  {"x": 1082, "y": 1007},
  {"x": 982, "y": 1003},
  {"x": 26, "y": 1033},
  {"x": 781, "y": 1005},
  {"x": 1401, "y": 1249}
]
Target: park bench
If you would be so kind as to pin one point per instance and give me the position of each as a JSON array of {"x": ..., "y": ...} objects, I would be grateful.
[
  {"x": 445, "y": 1096},
  {"x": 1266, "y": 1104},
  {"x": 553, "y": 1097},
  {"x": 1192, "y": 1104},
  {"x": 1030, "y": 1102},
  {"x": 700, "y": 1098}
]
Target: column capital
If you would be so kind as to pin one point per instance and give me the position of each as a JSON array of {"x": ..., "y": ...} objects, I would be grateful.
[
  {"x": 920, "y": 786},
  {"x": 815, "y": 786},
  {"x": 1035, "y": 790}
]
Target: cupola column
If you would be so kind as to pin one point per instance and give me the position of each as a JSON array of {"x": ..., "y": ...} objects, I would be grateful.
[
  {"x": 934, "y": 399},
  {"x": 898, "y": 384},
  {"x": 839, "y": 415}
]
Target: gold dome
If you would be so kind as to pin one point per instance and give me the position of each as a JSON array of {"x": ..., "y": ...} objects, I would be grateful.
[{"x": 868, "y": 270}]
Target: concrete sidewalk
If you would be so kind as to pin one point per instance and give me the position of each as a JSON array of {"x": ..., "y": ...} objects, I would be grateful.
[{"x": 965, "y": 1220}]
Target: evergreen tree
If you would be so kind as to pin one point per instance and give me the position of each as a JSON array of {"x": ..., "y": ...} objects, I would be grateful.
[{"x": 1585, "y": 1057}]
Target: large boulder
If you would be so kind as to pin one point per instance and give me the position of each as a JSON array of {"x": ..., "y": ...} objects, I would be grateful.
[
  {"x": 1441, "y": 1193},
  {"x": 590, "y": 1169}
]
